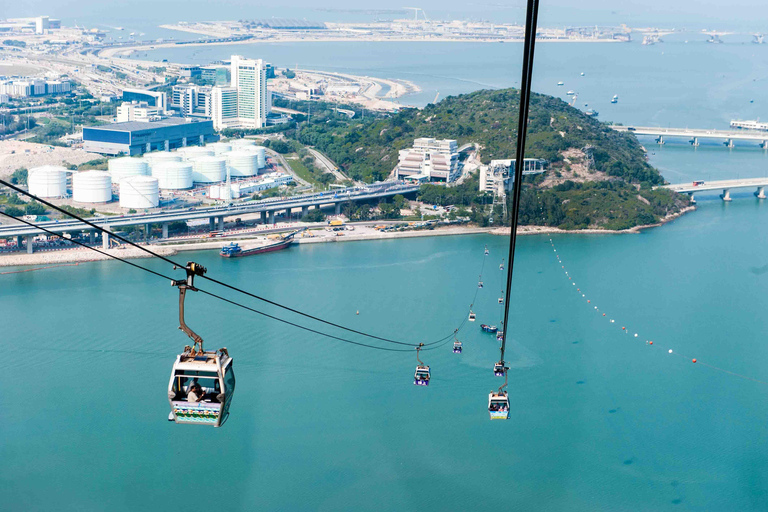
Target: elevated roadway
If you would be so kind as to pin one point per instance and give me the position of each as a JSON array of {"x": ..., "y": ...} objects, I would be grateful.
[
  {"x": 725, "y": 185},
  {"x": 216, "y": 214},
  {"x": 693, "y": 135}
]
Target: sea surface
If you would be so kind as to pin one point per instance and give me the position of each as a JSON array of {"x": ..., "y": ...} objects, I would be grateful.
[{"x": 600, "y": 419}]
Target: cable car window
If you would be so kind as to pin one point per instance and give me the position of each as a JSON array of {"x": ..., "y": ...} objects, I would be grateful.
[{"x": 229, "y": 378}]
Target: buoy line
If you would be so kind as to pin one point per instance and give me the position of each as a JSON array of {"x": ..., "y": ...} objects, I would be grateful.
[{"x": 624, "y": 329}]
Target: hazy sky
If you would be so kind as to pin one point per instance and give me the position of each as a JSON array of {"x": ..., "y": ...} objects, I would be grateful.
[{"x": 694, "y": 14}]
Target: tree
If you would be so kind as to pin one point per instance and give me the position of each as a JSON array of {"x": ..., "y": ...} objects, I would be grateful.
[
  {"x": 314, "y": 215},
  {"x": 19, "y": 176},
  {"x": 35, "y": 208},
  {"x": 14, "y": 211}
]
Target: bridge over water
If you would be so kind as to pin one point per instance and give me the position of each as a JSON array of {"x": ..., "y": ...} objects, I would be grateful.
[
  {"x": 725, "y": 185},
  {"x": 693, "y": 135},
  {"x": 215, "y": 214}
]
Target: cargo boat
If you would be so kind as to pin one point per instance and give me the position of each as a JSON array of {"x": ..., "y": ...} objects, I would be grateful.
[{"x": 234, "y": 250}]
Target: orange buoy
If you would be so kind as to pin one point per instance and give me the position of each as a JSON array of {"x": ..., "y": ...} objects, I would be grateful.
[
  {"x": 589, "y": 301},
  {"x": 623, "y": 328},
  {"x": 694, "y": 360},
  {"x": 603, "y": 314},
  {"x": 650, "y": 343},
  {"x": 578, "y": 289}
]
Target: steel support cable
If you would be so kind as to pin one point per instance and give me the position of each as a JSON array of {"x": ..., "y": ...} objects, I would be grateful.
[
  {"x": 221, "y": 283},
  {"x": 169, "y": 278},
  {"x": 531, "y": 17}
]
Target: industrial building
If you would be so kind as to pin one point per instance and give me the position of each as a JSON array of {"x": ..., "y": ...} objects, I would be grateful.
[
  {"x": 495, "y": 177},
  {"x": 134, "y": 138},
  {"x": 38, "y": 25},
  {"x": 429, "y": 160},
  {"x": 137, "y": 111},
  {"x": 246, "y": 103}
]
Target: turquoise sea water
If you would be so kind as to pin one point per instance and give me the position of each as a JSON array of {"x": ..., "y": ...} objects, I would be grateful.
[{"x": 600, "y": 420}]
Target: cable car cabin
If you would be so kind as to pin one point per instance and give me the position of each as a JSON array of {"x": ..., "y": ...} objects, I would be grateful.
[
  {"x": 422, "y": 376},
  {"x": 498, "y": 369},
  {"x": 498, "y": 405},
  {"x": 499, "y": 335},
  {"x": 457, "y": 347},
  {"x": 486, "y": 251},
  {"x": 501, "y": 300},
  {"x": 201, "y": 388},
  {"x": 480, "y": 284},
  {"x": 472, "y": 316},
  {"x": 488, "y": 328}
]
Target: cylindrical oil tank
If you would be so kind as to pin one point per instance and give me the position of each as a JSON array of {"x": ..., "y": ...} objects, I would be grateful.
[
  {"x": 139, "y": 192},
  {"x": 192, "y": 152},
  {"x": 48, "y": 181},
  {"x": 235, "y": 190},
  {"x": 240, "y": 143},
  {"x": 243, "y": 163},
  {"x": 92, "y": 187},
  {"x": 162, "y": 156},
  {"x": 219, "y": 148},
  {"x": 173, "y": 175},
  {"x": 209, "y": 169},
  {"x": 214, "y": 191},
  {"x": 123, "y": 167},
  {"x": 261, "y": 155}
]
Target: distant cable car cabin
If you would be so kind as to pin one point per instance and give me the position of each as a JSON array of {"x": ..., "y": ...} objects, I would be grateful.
[
  {"x": 501, "y": 300},
  {"x": 486, "y": 251},
  {"x": 480, "y": 284},
  {"x": 498, "y": 405},
  {"x": 499, "y": 369},
  {"x": 472, "y": 316},
  {"x": 202, "y": 382},
  {"x": 499, "y": 335},
  {"x": 456, "y": 346},
  {"x": 422, "y": 375}
]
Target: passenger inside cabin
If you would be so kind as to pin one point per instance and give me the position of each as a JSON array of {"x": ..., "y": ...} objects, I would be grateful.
[{"x": 195, "y": 393}]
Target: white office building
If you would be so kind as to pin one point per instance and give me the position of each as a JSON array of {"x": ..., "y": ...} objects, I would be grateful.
[
  {"x": 246, "y": 103},
  {"x": 429, "y": 160},
  {"x": 137, "y": 111},
  {"x": 191, "y": 100}
]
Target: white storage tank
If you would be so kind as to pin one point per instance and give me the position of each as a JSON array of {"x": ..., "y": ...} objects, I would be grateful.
[
  {"x": 92, "y": 187},
  {"x": 261, "y": 155},
  {"x": 219, "y": 148},
  {"x": 162, "y": 156},
  {"x": 192, "y": 152},
  {"x": 123, "y": 167},
  {"x": 240, "y": 143},
  {"x": 173, "y": 175},
  {"x": 235, "y": 190},
  {"x": 48, "y": 181},
  {"x": 209, "y": 169},
  {"x": 243, "y": 163},
  {"x": 139, "y": 192},
  {"x": 214, "y": 191}
]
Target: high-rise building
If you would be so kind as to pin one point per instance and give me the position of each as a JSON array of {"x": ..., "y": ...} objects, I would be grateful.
[
  {"x": 249, "y": 77},
  {"x": 246, "y": 103},
  {"x": 224, "y": 107}
]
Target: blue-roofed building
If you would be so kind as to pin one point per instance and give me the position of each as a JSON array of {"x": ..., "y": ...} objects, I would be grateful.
[{"x": 135, "y": 137}]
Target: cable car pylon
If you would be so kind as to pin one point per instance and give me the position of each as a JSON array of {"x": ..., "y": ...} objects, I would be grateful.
[{"x": 202, "y": 383}]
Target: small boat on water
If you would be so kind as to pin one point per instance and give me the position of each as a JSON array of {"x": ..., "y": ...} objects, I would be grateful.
[
  {"x": 234, "y": 250},
  {"x": 488, "y": 328},
  {"x": 560, "y": 83},
  {"x": 615, "y": 98},
  {"x": 592, "y": 113},
  {"x": 570, "y": 93}
]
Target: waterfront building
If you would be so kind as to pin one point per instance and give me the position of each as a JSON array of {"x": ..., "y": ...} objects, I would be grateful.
[
  {"x": 135, "y": 138},
  {"x": 152, "y": 98},
  {"x": 429, "y": 159},
  {"x": 495, "y": 177}
]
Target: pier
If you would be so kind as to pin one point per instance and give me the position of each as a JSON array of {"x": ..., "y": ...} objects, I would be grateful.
[
  {"x": 725, "y": 185},
  {"x": 693, "y": 135}
]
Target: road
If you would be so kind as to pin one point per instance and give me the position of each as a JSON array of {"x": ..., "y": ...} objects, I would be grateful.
[{"x": 330, "y": 166}]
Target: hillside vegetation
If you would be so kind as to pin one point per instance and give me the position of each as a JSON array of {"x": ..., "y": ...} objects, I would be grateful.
[{"x": 614, "y": 193}]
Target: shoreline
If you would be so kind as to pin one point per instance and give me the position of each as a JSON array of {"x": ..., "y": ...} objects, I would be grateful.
[{"x": 82, "y": 255}]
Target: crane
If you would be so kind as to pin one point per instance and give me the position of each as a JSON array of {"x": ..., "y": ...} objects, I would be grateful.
[{"x": 416, "y": 11}]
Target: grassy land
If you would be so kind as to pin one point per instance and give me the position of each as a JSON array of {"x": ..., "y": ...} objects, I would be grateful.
[{"x": 301, "y": 170}]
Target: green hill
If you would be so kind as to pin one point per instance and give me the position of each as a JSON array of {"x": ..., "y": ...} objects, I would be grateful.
[{"x": 614, "y": 192}]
